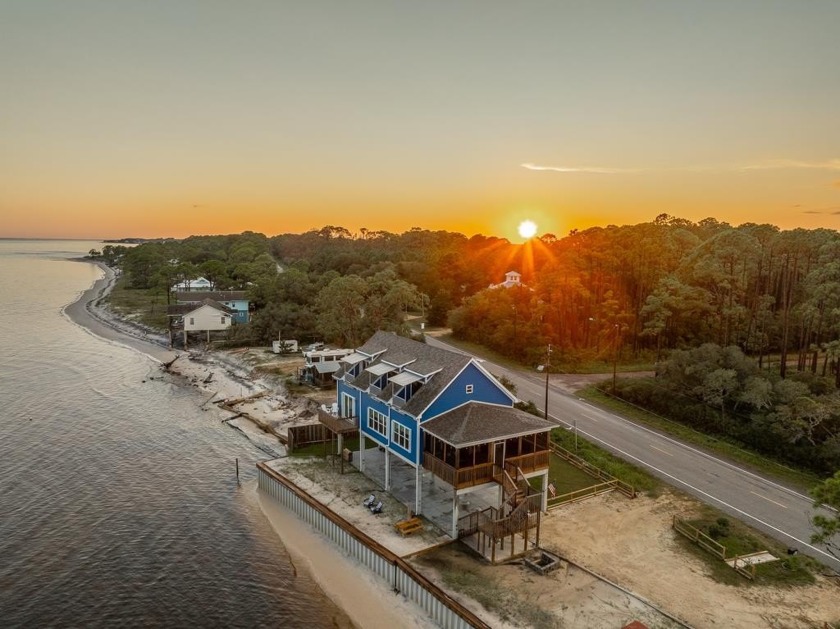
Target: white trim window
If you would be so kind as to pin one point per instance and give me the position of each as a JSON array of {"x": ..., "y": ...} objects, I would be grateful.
[
  {"x": 377, "y": 422},
  {"x": 469, "y": 389},
  {"x": 401, "y": 435},
  {"x": 348, "y": 405}
]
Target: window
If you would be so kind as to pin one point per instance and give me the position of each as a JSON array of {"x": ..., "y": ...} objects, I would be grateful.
[
  {"x": 192, "y": 320},
  {"x": 348, "y": 405},
  {"x": 224, "y": 320},
  {"x": 401, "y": 435},
  {"x": 469, "y": 389},
  {"x": 377, "y": 422}
]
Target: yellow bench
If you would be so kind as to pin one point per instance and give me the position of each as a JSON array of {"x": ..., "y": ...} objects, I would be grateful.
[{"x": 409, "y": 526}]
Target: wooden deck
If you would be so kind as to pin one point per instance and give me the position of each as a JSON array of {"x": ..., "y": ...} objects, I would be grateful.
[{"x": 336, "y": 424}]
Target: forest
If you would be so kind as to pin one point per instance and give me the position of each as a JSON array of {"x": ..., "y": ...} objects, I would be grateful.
[{"x": 742, "y": 322}]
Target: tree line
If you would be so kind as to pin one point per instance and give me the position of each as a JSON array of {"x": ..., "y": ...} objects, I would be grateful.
[
  {"x": 760, "y": 304},
  {"x": 634, "y": 290}
]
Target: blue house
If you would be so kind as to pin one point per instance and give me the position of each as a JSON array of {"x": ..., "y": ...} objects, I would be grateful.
[
  {"x": 442, "y": 412},
  {"x": 236, "y": 300}
]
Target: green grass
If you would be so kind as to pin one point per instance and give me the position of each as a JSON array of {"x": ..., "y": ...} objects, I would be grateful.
[
  {"x": 739, "y": 539},
  {"x": 319, "y": 449},
  {"x": 146, "y": 306},
  {"x": 607, "y": 461},
  {"x": 799, "y": 479},
  {"x": 566, "y": 477}
]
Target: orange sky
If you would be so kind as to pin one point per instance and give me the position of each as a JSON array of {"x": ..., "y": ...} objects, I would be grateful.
[{"x": 145, "y": 119}]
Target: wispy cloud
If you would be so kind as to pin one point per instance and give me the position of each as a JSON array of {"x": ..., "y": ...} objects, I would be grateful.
[
  {"x": 581, "y": 169},
  {"x": 772, "y": 164},
  {"x": 826, "y": 210},
  {"x": 778, "y": 164}
]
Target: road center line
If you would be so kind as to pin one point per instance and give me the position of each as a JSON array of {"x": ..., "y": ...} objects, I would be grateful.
[
  {"x": 660, "y": 449},
  {"x": 768, "y": 500}
]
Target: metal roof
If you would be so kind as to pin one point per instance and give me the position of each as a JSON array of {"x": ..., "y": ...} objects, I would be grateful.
[
  {"x": 354, "y": 358},
  {"x": 405, "y": 378},
  {"x": 327, "y": 367},
  {"x": 380, "y": 368}
]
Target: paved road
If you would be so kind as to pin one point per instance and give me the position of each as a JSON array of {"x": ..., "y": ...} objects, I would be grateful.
[{"x": 767, "y": 505}]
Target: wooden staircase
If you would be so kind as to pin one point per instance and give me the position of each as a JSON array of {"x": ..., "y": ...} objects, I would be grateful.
[{"x": 514, "y": 485}]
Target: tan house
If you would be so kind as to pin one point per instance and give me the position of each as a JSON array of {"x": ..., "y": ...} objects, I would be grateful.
[{"x": 208, "y": 316}]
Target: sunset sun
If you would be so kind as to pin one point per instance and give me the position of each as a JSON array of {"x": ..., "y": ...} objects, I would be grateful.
[{"x": 527, "y": 229}]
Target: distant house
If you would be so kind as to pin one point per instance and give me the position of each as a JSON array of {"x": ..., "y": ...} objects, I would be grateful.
[
  {"x": 320, "y": 365},
  {"x": 207, "y": 316},
  {"x": 199, "y": 284},
  {"x": 440, "y": 411},
  {"x": 512, "y": 278},
  {"x": 236, "y": 300}
]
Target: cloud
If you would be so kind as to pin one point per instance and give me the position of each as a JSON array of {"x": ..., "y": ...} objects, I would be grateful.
[
  {"x": 773, "y": 164},
  {"x": 576, "y": 169},
  {"x": 777, "y": 164},
  {"x": 826, "y": 210}
]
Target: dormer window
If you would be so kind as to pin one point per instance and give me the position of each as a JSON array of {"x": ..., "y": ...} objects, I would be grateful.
[
  {"x": 379, "y": 374},
  {"x": 408, "y": 384},
  {"x": 355, "y": 364}
]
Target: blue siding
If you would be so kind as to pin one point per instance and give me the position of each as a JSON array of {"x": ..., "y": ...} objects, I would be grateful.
[
  {"x": 484, "y": 390},
  {"x": 241, "y": 308},
  {"x": 369, "y": 402},
  {"x": 410, "y": 423}
]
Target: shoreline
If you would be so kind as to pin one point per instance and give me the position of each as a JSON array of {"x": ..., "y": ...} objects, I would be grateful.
[
  {"x": 83, "y": 312},
  {"x": 357, "y": 593}
]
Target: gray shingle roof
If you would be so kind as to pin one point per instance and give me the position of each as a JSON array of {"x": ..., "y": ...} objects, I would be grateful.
[
  {"x": 192, "y": 297},
  {"x": 423, "y": 359},
  {"x": 476, "y": 422},
  {"x": 175, "y": 310}
]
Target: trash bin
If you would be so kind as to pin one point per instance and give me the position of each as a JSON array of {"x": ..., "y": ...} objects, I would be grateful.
[{"x": 348, "y": 455}]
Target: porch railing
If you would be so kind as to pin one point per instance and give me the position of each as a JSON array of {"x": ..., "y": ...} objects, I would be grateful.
[
  {"x": 338, "y": 424},
  {"x": 530, "y": 462},
  {"x": 458, "y": 478}
]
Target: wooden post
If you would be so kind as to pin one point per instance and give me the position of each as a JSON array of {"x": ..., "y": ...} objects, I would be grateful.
[{"x": 237, "y": 470}]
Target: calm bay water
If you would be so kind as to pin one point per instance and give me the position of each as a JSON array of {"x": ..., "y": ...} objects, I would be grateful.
[{"x": 118, "y": 498}]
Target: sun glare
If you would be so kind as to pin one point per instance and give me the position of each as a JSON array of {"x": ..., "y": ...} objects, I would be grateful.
[{"x": 527, "y": 229}]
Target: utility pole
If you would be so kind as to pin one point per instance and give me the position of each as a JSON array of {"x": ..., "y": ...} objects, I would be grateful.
[
  {"x": 615, "y": 355},
  {"x": 547, "y": 367}
]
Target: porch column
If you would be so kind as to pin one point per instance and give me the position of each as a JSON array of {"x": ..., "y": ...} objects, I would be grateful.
[
  {"x": 340, "y": 444},
  {"x": 361, "y": 452},
  {"x": 387, "y": 469},
  {"x": 454, "y": 513},
  {"x": 418, "y": 490},
  {"x": 544, "y": 507}
]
